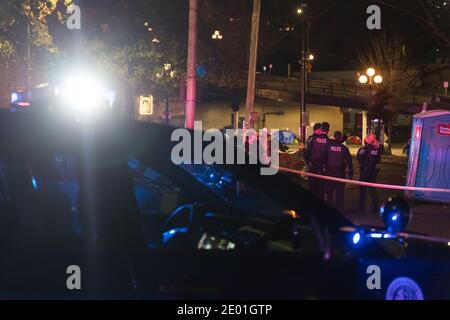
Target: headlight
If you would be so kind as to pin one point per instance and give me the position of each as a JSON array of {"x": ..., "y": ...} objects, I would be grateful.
[{"x": 83, "y": 93}]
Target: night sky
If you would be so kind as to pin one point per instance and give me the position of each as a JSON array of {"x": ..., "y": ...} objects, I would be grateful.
[{"x": 338, "y": 37}]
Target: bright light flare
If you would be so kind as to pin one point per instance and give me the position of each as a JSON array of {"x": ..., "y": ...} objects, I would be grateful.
[
  {"x": 378, "y": 79},
  {"x": 356, "y": 238},
  {"x": 216, "y": 35},
  {"x": 83, "y": 93},
  {"x": 371, "y": 72},
  {"x": 363, "y": 79}
]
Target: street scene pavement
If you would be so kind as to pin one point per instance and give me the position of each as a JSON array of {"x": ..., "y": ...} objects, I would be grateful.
[
  {"x": 427, "y": 218},
  {"x": 432, "y": 219},
  {"x": 163, "y": 150}
]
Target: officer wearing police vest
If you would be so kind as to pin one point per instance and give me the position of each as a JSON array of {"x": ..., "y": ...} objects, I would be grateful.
[
  {"x": 317, "y": 130},
  {"x": 316, "y": 153},
  {"x": 339, "y": 165},
  {"x": 368, "y": 157}
]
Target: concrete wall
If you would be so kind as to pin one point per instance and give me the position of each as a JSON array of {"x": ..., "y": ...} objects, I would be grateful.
[{"x": 218, "y": 115}]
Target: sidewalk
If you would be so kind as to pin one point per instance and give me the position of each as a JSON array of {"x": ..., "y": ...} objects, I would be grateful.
[{"x": 426, "y": 218}]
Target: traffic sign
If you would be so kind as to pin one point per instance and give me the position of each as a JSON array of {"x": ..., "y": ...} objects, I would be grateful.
[{"x": 146, "y": 105}]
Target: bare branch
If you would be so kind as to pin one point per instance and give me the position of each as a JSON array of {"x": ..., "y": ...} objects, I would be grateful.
[
  {"x": 428, "y": 19},
  {"x": 325, "y": 10},
  {"x": 403, "y": 10}
]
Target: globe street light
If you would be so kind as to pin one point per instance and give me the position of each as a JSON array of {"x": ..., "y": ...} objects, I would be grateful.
[
  {"x": 216, "y": 35},
  {"x": 370, "y": 78},
  {"x": 363, "y": 79},
  {"x": 378, "y": 79},
  {"x": 371, "y": 72}
]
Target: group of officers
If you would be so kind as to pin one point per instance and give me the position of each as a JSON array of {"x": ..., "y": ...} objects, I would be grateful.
[{"x": 330, "y": 157}]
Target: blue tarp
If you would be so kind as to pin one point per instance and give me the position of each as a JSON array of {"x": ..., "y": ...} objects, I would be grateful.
[{"x": 286, "y": 137}]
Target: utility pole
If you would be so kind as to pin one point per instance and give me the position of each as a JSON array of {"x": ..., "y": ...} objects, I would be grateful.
[
  {"x": 28, "y": 58},
  {"x": 252, "y": 61},
  {"x": 303, "y": 75},
  {"x": 191, "y": 89}
]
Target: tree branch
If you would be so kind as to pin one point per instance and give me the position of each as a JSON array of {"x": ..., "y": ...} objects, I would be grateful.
[
  {"x": 428, "y": 19},
  {"x": 324, "y": 11},
  {"x": 431, "y": 22},
  {"x": 402, "y": 10}
]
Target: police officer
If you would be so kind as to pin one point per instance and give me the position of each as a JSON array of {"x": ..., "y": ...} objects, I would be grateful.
[
  {"x": 339, "y": 165},
  {"x": 316, "y": 156},
  {"x": 368, "y": 157},
  {"x": 317, "y": 130}
]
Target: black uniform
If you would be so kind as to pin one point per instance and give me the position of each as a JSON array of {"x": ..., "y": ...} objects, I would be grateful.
[
  {"x": 368, "y": 157},
  {"x": 339, "y": 165},
  {"x": 309, "y": 148},
  {"x": 316, "y": 154}
]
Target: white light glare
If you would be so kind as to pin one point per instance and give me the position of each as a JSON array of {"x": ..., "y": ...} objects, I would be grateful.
[
  {"x": 83, "y": 93},
  {"x": 356, "y": 238}
]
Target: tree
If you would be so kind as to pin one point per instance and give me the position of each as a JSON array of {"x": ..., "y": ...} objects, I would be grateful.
[
  {"x": 225, "y": 60},
  {"x": 389, "y": 55},
  {"x": 24, "y": 29},
  {"x": 133, "y": 43},
  {"x": 434, "y": 14},
  {"x": 15, "y": 16}
]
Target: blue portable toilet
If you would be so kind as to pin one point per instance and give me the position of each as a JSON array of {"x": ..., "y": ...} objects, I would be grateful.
[{"x": 429, "y": 160}]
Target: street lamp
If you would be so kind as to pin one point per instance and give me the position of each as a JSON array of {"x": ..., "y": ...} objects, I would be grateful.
[
  {"x": 378, "y": 79},
  {"x": 216, "y": 35},
  {"x": 371, "y": 72},
  {"x": 305, "y": 57},
  {"x": 363, "y": 79},
  {"x": 371, "y": 78}
]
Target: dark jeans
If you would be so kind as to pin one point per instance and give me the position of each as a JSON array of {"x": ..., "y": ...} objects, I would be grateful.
[
  {"x": 335, "y": 194},
  {"x": 372, "y": 195},
  {"x": 316, "y": 185}
]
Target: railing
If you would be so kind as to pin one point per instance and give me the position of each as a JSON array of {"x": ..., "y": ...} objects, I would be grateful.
[
  {"x": 342, "y": 88},
  {"x": 329, "y": 87}
]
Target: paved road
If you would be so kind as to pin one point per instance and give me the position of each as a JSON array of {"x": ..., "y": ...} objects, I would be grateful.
[
  {"x": 427, "y": 218},
  {"x": 431, "y": 219}
]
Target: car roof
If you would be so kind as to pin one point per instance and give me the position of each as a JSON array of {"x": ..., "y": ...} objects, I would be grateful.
[{"x": 151, "y": 144}]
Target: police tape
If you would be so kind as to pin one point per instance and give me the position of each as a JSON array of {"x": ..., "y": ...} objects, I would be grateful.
[{"x": 360, "y": 183}]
